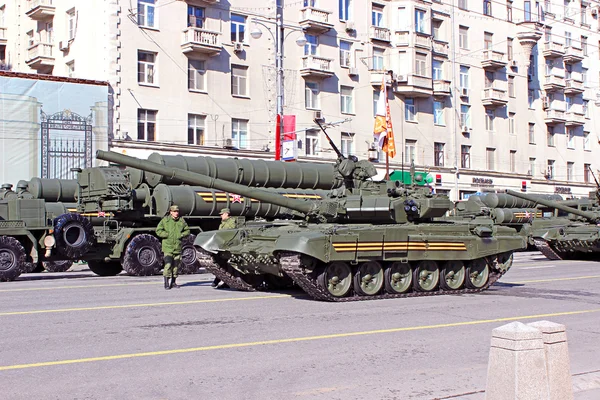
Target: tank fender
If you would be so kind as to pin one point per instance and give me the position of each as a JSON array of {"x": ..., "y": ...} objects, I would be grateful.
[
  {"x": 213, "y": 241},
  {"x": 313, "y": 244},
  {"x": 125, "y": 234}
]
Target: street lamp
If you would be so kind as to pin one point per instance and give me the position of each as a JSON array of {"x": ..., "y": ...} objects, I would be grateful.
[{"x": 279, "y": 38}]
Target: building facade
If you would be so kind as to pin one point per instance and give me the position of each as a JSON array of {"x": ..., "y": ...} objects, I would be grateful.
[{"x": 483, "y": 94}]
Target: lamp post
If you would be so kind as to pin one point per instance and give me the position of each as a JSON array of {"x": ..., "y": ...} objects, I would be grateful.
[{"x": 279, "y": 39}]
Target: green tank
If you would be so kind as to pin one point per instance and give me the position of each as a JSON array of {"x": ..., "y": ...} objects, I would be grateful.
[{"x": 366, "y": 240}]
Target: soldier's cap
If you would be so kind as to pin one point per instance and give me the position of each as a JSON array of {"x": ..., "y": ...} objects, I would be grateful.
[
  {"x": 225, "y": 210},
  {"x": 174, "y": 208}
]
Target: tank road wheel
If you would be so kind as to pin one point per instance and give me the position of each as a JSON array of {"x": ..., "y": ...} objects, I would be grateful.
[
  {"x": 336, "y": 278},
  {"x": 143, "y": 256},
  {"x": 478, "y": 273},
  {"x": 189, "y": 260},
  {"x": 368, "y": 278},
  {"x": 74, "y": 235},
  {"x": 102, "y": 268},
  {"x": 57, "y": 266},
  {"x": 505, "y": 261},
  {"x": 12, "y": 258},
  {"x": 426, "y": 276},
  {"x": 453, "y": 275},
  {"x": 398, "y": 278}
]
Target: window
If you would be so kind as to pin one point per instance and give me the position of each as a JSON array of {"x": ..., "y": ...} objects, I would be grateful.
[
  {"x": 421, "y": 64},
  {"x": 196, "y": 75},
  {"x": 489, "y": 120},
  {"x": 71, "y": 23},
  {"x": 586, "y": 172},
  {"x": 511, "y": 123},
  {"x": 568, "y": 71},
  {"x": 531, "y": 166},
  {"x": 489, "y": 79},
  {"x": 513, "y": 160},
  {"x": 438, "y": 113},
  {"x": 147, "y": 125},
  {"x": 547, "y": 6},
  {"x": 71, "y": 69},
  {"x": 347, "y": 143},
  {"x": 377, "y": 16},
  {"x": 550, "y": 136},
  {"x": 583, "y": 13},
  {"x": 570, "y": 170},
  {"x": 49, "y": 32},
  {"x": 584, "y": 72},
  {"x": 345, "y": 10},
  {"x": 420, "y": 21},
  {"x": 511, "y": 86},
  {"x": 378, "y": 59},
  {"x": 530, "y": 98},
  {"x": 463, "y": 37},
  {"x": 410, "y": 151},
  {"x": 549, "y": 65},
  {"x": 462, "y": 4},
  {"x": 509, "y": 11},
  {"x": 569, "y": 103},
  {"x": 195, "y": 17},
  {"x": 584, "y": 45},
  {"x": 490, "y": 161},
  {"x": 527, "y": 11},
  {"x": 568, "y": 40},
  {"x": 438, "y": 154},
  {"x": 437, "y": 29},
  {"x": 196, "y": 129},
  {"x": 345, "y": 52},
  {"x": 586, "y": 141},
  {"x": 570, "y": 138},
  {"x": 464, "y": 77},
  {"x": 312, "y": 143},
  {"x": 509, "y": 49},
  {"x": 310, "y": 48},
  {"x": 310, "y": 3},
  {"x": 239, "y": 80},
  {"x": 311, "y": 97},
  {"x": 146, "y": 10},
  {"x": 146, "y": 67},
  {"x": 239, "y": 133},
  {"x": 531, "y": 133},
  {"x": 531, "y": 71},
  {"x": 376, "y": 93},
  {"x": 410, "y": 110},
  {"x": 2, "y": 13},
  {"x": 465, "y": 156},
  {"x": 438, "y": 74},
  {"x": 346, "y": 100},
  {"x": 586, "y": 108},
  {"x": 238, "y": 28},
  {"x": 465, "y": 115},
  {"x": 487, "y": 7},
  {"x": 488, "y": 41}
]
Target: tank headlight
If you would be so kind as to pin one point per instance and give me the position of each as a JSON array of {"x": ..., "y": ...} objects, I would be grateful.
[{"x": 49, "y": 241}]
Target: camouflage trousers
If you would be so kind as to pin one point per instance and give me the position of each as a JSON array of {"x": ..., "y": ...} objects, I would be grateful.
[{"x": 171, "y": 264}]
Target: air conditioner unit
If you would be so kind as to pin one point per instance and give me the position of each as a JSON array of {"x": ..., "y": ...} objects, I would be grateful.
[
  {"x": 400, "y": 78},
  {"x": 465, "y": 128},
  {"x": 63, "y": 45},
  {"x": 513, "y": 63},
  {"x": 546, "y": 103},
  {"x": 350, "y": 26},
  {"x": 228, "y": 143},
  {"x": 594, "y": 11},
  {"x": 464, "y": 92},
  {"x": 318, "y": 115},
  {"x": 353, "y": 71},
  {"x": 238, "y": 46}
]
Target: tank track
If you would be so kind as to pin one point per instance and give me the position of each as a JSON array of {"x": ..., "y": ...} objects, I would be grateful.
[
  {"x": 546, "y": 250},
  {"x": 208, "y": 261},
  {"x": 291, "y": 264}
]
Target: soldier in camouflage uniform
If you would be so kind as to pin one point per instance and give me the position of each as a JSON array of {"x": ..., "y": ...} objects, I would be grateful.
[
  {"x": 171, "y": 229},
  {"x": 226, "y": 223}
]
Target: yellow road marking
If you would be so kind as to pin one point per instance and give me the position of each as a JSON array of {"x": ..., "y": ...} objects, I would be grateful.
[
  {"x": 289, "y": 340},
  {"x": 168, "y": 303},
  {"x": 574, "y": 278},
  {"x": 91, "y": 286}
]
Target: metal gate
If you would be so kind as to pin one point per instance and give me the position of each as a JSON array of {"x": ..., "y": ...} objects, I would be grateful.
[{"x": 61, "y": 152}]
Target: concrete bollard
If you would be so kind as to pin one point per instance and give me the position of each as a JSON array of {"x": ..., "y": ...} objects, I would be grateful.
[
  {"x": 557, "y": 359},
  {"x": 517, "y": 364}
]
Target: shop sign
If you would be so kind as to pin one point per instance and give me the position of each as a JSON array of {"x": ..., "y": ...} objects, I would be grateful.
[
  {"x": 482, "y": 182},
  {"x": 562, "y": 190}
]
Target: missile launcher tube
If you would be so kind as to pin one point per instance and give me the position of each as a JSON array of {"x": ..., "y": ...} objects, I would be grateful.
[
  {"x": 591, "y": 216},
  {"x": 514, "y": 215},
  {"x": 502, "y": 200},
  {"x": 54, "y": 190},
  {"x": 274, "y": 174}
]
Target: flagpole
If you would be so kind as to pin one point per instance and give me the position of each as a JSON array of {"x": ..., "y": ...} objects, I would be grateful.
[{"x": 387, "y": 166}]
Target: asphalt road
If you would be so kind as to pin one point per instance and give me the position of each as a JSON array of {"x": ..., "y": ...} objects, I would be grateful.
[{"x": 77, "y": 336}]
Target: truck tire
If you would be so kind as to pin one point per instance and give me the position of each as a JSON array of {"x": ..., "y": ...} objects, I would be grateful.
[
  {"x": 143, "y": 256},
  {"x": 74, "y": 235},
  {"x": 102, "y": 268},
  {"x": 12, "y": 258},
  {"x": 57, "y": 266},
  {"x": 189, "y": 260}
]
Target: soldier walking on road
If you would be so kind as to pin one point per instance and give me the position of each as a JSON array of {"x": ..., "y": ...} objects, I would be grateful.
[
  {"x": 171, "y": 229},
  {"x": 226, "y": 223}
]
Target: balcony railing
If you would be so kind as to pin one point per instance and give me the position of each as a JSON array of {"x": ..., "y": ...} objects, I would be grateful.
[
  {"x": 493, "y": 59},
  {"x": 2, "y": 34},
  {"x": 316, "y": 66},
  {"x": 315, "y": 20},
  {"x": 379, "y": 33},
  {"x": 553, "y": 49},
  {"x": 441, "y": 47},
  {"x": 203, "y": 41},
  {"x": 573, "y": 86},
  {"x": 493, "y": 97},
  {"x": 441, "y": 88},
  {"x": 422, "y": 40},
  {"x": 574, "y": 118},
  {"x": 555, "y": 116},
  {"x": 554, "y": 82},
  {"x": 402, "y": 38},
  {"x": 40, "y": 55},
  {"x": 573, "y": 55},
  {"x": 40, "y": 9}
]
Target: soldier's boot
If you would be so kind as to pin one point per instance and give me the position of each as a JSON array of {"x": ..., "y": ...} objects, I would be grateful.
[
  {"x": 167, "y": 287},
  {"x": 173, "y": 284}
]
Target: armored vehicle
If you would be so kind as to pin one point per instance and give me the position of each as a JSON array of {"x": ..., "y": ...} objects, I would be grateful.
[{"x": 365, "y": 240}]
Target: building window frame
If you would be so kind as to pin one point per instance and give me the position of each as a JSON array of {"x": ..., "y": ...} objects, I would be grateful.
[
  {"x": 196, "y": 16},
  {"x": 239, "y": 133},
  {"x": 587, "y": 141},
  {"x": 347, "y": 143},
  {"x": 238, "y": 28},
  {"x": 311, "y": 95},
  {"x": 346, "y": 99},
  {"x": 147, "y": 68},
  {"x": 465, "y": 156},
  {"x": 410, "y": 151},
  {"x": 490, "y": 158},
  {"x": 438, "y": 113},
  {"x": 197, "y": 76},
  {"x": 147, "y": 124},
  {"x": 463, "y": 37},
  {"x": 196, "y": 129},
  {"x": 531, "y": 132},
  {"x": 410, "y": 109},
  {"x": 147, "y": 14},
  {"x": 239, "y": 81},
  {"x": 345, "y": 54},
  {"x": 513, "y": 160},
  {"x": 438, "y": 154},
  {"x": 311, "y": 143}
]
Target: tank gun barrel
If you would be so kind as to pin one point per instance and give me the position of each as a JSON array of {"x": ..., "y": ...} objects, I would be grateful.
[
  {"x": 192, "y": 178},
  {"x": 553, "y": 204}
]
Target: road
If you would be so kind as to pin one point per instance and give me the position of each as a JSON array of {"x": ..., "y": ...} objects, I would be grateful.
[{"x": 76, "y": 336}]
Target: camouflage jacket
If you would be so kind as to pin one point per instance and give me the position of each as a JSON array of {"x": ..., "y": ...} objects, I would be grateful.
[
  {"x": 229, "y": 223},
  {"x": 171, "y": 232}
]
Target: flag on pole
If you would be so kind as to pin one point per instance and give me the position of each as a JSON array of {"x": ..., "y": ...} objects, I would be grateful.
[{"x": 383, "y": 131}]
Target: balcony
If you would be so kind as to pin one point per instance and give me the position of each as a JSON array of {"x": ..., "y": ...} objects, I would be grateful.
[
  {"x": 39, "y": 56},
  {"x": 314, "y": 20},
  {"x": 492, "y": 97},
  {"x": 199, "y": 41},
  {"x": 3, "y": 36},
  {"x": 413, "y": 85},
  {"x": 441, "y": 48},
  {"x": 40, "y": 10},
  {"x": 316, "y": 67},
  {"x": 379, "y": 33},
  {"x": 573, "y": 55},
  {"x": 553, "y": 83},
  {"x": 554, "y": 117},
  {"x": 422, "y": 40},
  {"x": 553, "y": 50},
  {"x": 573, "y": 87},
  {"x": 574, "y": 119},
  {"x": 441, "y": 88},
  {"x": 493, "y": 59},
  {"x": 376, "y": 78}
]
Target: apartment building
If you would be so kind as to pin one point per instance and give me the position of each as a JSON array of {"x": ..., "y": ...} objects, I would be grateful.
[{"x": 484, "y": 94}]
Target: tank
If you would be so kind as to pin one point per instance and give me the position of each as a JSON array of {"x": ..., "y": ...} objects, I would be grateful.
[{"x": 367, "y": 240}]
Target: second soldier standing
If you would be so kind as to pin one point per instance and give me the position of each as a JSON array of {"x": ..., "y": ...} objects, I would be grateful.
[
  {"x": 172, "y": 229},
  {"x": 226, "y": 223}
]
